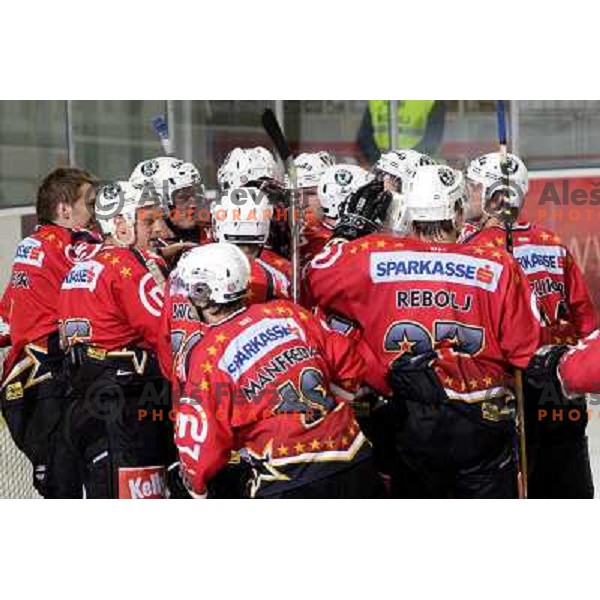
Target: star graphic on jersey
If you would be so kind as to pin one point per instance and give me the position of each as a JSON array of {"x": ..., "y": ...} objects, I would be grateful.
[
  {"x": 220, "y": 337},
  {"x": 315, "y": 445},
  {"x": 41, "y": 369},
  {"x": 405, "y": 345},
  {"x": 282, "y": 450},
  {"x": 381, "y": 244},
  {"x": 125, "y": 272}
]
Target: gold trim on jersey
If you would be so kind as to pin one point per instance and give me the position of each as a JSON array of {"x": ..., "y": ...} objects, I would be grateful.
[{"x": 493, "y": 393}]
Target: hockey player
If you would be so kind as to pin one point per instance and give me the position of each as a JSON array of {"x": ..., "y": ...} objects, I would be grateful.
[
  {"x": 180, "y": 186},
  {"x": 565, "y": 302},
  {"x": 310, "y": 167},
  {"x": 396, "y": 169},
  {"x": 110, "y": 314},
  {"x": 243, "y": 217},
  {"x": 256, "y": 167},
  {"x": 334, "y": 187},
  {"x": 444, "y": 324},
  {"x": 262, "y": 383},
  {"x": 567, "y": 312},
  {"x": 32, "y": 387}
]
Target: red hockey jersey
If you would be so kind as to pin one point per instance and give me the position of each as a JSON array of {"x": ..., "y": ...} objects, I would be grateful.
[
  {"x": 315, "y": 236},
  {"x": 578, "y": 369},
  {"x": 31, "y": 301},
  {"x": 113, "y": 301},
  {"x": 564, "y": 300},
  {"x": 270, "y": 277},
  {"x": 262, "y": 382},
  {"x": 472, "y": 305}
]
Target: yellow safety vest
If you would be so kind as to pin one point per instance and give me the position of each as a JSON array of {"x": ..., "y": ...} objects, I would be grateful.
[{"x": 412, "y": 121}]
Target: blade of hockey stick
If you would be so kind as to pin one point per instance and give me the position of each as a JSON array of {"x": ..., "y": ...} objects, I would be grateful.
[
  {"x": 161, "y": 128},
  {"x": 271, "y": 125}
]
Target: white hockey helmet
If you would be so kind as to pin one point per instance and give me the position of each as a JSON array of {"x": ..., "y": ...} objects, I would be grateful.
[
  {"x": 488, "y": 171},
  {"x": 402, "y": 165},
  {"x": 336, "y": 184},
  {"x": 214, "y": 273},
  {"x": 437, "y": 191},
  {"x": 167, "y": 175},
  {"x": 242, "y": 216},
  {"x": 311, "y": 166},
  {"x": 264, "y": 164},
  {"x": 243, "y": 165},
  {"x": 122, "y": 199}
]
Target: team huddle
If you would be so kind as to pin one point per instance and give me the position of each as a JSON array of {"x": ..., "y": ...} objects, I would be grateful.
[{"x": 159, "y": 347}]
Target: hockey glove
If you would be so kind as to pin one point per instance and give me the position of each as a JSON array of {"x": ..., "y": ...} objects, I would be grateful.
[
  {"x": 176, "y": 486},
  {"x": 274, "y": 190},
  {"x": 4, "y": 334},
  {"x": 364, "y": 211},
  {"x": 414, "y": 380},
  {"x": 541, "y": 370}
]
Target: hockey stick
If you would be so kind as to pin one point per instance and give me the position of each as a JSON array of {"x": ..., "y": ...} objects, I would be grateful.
[
  {"x": 161, "y": 128},
  {"x": 508, "y": 217},
  {"x": 273, "y": 129}
]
